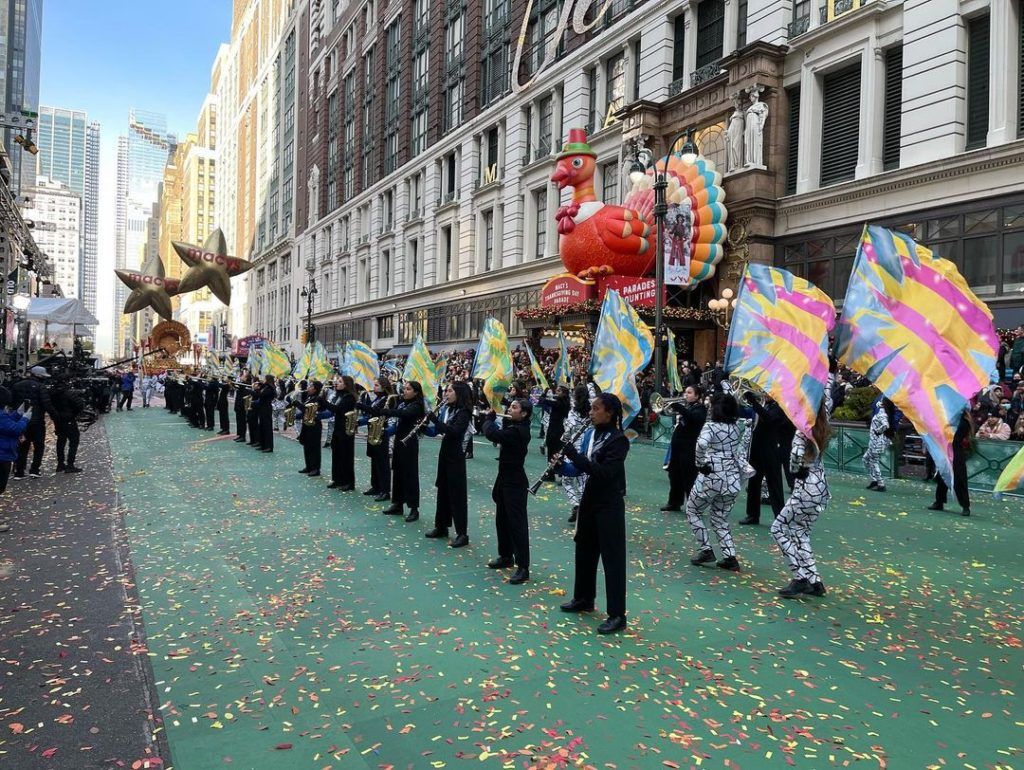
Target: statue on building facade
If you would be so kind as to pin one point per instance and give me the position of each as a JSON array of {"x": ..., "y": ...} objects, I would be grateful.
[
  {"x": 734, "y": 133},
  {"x": 753, "y": 137}
]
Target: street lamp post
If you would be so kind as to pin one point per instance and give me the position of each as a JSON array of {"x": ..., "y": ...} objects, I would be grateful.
[
  {"x": 309, "y": 292},
  {"x": 644, "y": 161}
]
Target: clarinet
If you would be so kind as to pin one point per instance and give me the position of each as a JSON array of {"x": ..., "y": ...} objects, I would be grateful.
[{"x": 557, "y": 457}]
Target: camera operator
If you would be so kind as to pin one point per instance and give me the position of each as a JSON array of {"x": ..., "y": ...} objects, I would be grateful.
[
  {"x": 68, "y": 405},
  {"x": 33, "y": 392}
]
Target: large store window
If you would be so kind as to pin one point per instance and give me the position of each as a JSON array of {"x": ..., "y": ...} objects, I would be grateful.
[{"x": 840, "y": 124}]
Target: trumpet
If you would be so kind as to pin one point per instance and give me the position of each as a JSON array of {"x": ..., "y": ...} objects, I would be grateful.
[
  {"x": 557, "y": 457},
  {"x": 658, "y": 403}
]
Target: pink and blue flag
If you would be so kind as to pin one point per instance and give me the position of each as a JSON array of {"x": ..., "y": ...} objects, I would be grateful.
[
  {"x": 779, "y": 340},
  {"x": 913, "y": 327}
]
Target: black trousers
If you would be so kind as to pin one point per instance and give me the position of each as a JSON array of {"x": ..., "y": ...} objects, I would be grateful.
[
  {"x": 682, "y": 474},
  {"x": 511, "y": 523},
  {"x": 67, "y": 438},
  {"x": 210, "y": 407},
  {"x": 240, "y": 423},
  {"x": 253, "y": 418},
  {"x": 125, "y": 398},
  {"x": 266, "y": 423},
  {"x": 452, "y": 506},
  {"x": 343, "y": 458},
  {"x": 311, "y": 449},
  {"x": 380, "y": 467},
  {"x": 5, "y": 473},
  {"x": 963, "y": 497},
  {"x": 771, "y": 474},
  {"x": 35, "y": 437},
  {"x": 405, "y": 473},
  {"x": 601, "y": 536},
  {"x": 222, "y": 412}
]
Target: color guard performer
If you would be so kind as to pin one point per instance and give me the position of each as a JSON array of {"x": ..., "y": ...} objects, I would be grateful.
[
  {"x": 311, "y": 432},
  {"x": 881, "y": 432},
  {"x": 719, "y": 461},
  {"x": 405, "y": 470},
  {"x": 601, "y": 528},
  {"x": 343, "y": 444},
  {"x": 573, "y": 483},
  {"x": 452, "y": 505},
  {"x": 511, "y": 488}
]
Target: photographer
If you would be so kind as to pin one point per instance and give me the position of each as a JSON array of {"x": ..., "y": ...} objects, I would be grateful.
[
  {"x": 68, "y": 405},
  {"x": 33, "y": 393}
]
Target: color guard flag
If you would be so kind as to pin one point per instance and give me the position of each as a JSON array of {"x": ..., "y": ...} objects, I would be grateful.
[
  {"x": 275, "y": 360},
  {"x": 419, "y": 366},
  {"x": 320, "y": 367},
  {"x": 675, "y": 382},
  {"x": 563, "y": 373},
  {"x": 256, "y": 363},
  {"x": 538, "y": 373},
  {"x": 913, "y": 327},
  {"x": 622, "y": 347},
  {"x": 493, "y": 363},
  {"x": 361, "y": 364},
  {"x": 779, "y": 340},
  {"x": 1012, "y": 477},
  {"x": 301, "y": 369}
]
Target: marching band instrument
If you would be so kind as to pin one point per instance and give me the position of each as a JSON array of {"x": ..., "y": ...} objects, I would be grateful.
[
  {"x": 351, "y": 422},
  {"x": 289, "y": 416},
  {"x": 248, "y": 403},
  {"x": 658, "y": 403},
  {"x": 375, "y": 425},
  {"x": 557, "y": 457},
  {"x": 418, "y": 427},
  {"x": 309, "y": 413}
]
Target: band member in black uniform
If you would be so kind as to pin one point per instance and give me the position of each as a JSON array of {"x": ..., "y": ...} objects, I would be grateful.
[
  {"x": 559, "y": 410},
  {"x": 211, "y": 390},
  {"x": 199, "y": 403},
  {"x": 405, "y": 460},
  {"x": 311, "y": 435},
  {"x": 601, "y": 526},
  {"x": 510, "y": 490},
  {"x": 252, "y": 415},
  {"x": 241, "y": 391},
  {"x": 764, "y": 458},
  {"x": 222, "y": 408},
  {"x": 452, "y": 505},
  {"x": 380, "y": 455},
  {"x": 265, "y": 412},
  {"x": 343, "y": 446},
  {"x": 690, "y": 415},
  {"x": 172, "y": 393},
  {"x": 963, "y": 439}
]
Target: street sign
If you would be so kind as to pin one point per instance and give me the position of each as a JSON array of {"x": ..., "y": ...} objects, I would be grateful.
[{"x": 11, "y": 287}]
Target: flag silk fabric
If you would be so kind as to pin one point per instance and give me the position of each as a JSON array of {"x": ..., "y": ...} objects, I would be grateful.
[
  {"x": 538, "y": 373},
  {"x": 563, "y": 374},
  {"x": 419, "y": 366},
  {"x": 256, "y": 363},
  {"x": 675, "y": 382},
  {"x": 779, "y": 340},
  {"x": 913, "y": 327},
  {"x": 622, "y": 347},
  {"x": 320, "y": 367},
  {"x": 275, "y": 360},
  {"x": 361, "y": 363},
  {"x": 1012, "y": 477},
  {"x": 301, "y": 370},
  {"x": 493, "y": 363}
]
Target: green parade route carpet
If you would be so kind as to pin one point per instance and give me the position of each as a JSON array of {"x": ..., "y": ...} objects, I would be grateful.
[{"x": 292, "y": 626}]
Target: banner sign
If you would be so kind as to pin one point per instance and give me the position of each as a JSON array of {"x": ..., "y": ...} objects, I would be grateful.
[
  {"x": 678, "y": 237},
  {"x": 254, "y": 341},
  {"x": 566, "y": 290},
  {"x": 638, "y": 292}
]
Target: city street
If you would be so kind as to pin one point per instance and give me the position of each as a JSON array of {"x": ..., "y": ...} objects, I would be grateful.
[{"x": 291, "y": 626}]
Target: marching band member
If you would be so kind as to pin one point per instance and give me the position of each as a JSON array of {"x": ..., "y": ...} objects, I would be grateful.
[
  {"x": 882, "y": 430},
  {"x": 769, "y": 425},
  {"x": 405, "y": 471},
  {"x": 211, "y": 391},
  {"x": 265, "y": 413},
  {"x": 511, "y": 489},
  {"x": 380, "y": 455},
  {"x": 792, "y": 527},
  {"x": 718, "y": 460},
  {"x": 559, "y": 406},
  {"x": 601, "y": 528},
  {"x": 241, "y": 391},
  {"x": 343, "y": 446},
  {"x": 690, "y": 416},
  {"x": 222, "y": 408},
  {"x": 252, "y": 415},
  {"x": 452, "y": 505},
  {"x": 311, "y": 435},
  {"x": 572, "y": 484}
]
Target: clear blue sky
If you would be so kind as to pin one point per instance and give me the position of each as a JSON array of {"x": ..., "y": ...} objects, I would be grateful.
[{"x": 107, "y": 56}]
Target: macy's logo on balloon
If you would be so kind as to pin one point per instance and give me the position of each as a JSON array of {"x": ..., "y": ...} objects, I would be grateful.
[{"x": 217, "y": 259}]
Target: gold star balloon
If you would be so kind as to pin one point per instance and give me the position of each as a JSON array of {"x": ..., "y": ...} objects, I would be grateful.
[
  {"x": 149, "y": 288},
  {"x": 210, "y": 266}
]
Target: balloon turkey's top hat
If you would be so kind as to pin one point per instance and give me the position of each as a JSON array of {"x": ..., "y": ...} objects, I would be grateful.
[{"x": 577, "y": 144}]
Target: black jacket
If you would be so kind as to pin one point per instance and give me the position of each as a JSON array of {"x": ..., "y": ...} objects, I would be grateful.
[
  {"x": 688, "y": 426},
  {"x": 513, "y": 440},
  {"x": 66, "y": 402},
  {"x": 409, "y": 414},
  {"x": 605, "y": 469},
  {"x": 37, "y": 396}
]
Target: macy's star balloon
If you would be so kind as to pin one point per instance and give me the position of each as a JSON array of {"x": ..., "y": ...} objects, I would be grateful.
[
  {"x": 149, "y": 288},
  {"x": 210, "y": 266}
]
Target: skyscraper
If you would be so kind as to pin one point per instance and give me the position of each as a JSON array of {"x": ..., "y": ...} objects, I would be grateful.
[
  {"x": 21, "y": 29},
  {"x": 55, "y": 211},
  {"x": 69, "y": 153},
  {"x": 141, "y": 157}
]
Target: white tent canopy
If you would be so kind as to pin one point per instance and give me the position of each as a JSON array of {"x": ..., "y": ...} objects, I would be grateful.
[{"x": 55, "y": 310}]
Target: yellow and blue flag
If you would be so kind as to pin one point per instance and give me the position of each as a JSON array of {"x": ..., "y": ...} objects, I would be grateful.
[
  {"x": 1012, "y": 477},
  {"x": 301, "y": 369},
  {"x": 623, "y": 346},
  {"x": 675, "y": 382},
  {"x": 538, "y": 373},
  {"x": 563, "y": 372},
  {"x": 320, "y": 366},
  {"x": 419, "y": 366},
  {"x": 779, "y": 340},
  {"x": 275, "y": 360},
  {"x": 360, "y": 363},
  {"x": 493, "y": 362},
  {"x": 256, "y": 363},
  {"x": 912, "y": 326}
]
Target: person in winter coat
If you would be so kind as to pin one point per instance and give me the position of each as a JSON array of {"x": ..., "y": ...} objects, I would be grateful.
[
  {"x": 690, "y": 415},
  {"x": 68, "y": 405},
  {"x": 33, "y": 392},
  {"x": 12, "y": 427}
]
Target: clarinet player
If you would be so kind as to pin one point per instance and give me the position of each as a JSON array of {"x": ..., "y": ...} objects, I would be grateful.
[{"x": 452, "y": 505}]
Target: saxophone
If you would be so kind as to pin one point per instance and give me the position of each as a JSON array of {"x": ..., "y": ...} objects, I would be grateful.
[
  {"x": 309, "y": 413},
  {"x": 289, "y": 416},
  {"x": 376, "y": 425},
  {"x": 351, "y": 422}
]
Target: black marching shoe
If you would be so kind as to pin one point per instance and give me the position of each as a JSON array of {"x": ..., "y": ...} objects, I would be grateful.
[
  {"x": 333, "y": 485},
  {"x": 501, "y": 562},
  {"x": 815, "y": 589},
  {"x": 873, "y": 485},
  {"x": 436, "y": 532},
  {"x": 383, "y": 496},
  {"x": 578, "y": 605},
  {"x": 880, "y": 488},
  {"x": 612, "y": 624},
  {"x": 750, "y": 520},
  {"x": 304, "y": 470},
  {"x": 267, "y": 451},
  {"x": 348, "y": 488},
  {"x": 796, "y": 587},
  {"x": 520, "y": 576},
  {"x": 666, "y": 508},
  {"x": 60, "y": 468},
  {"x": 370, "y": 491},
  {"x": 412, "y": 515},
  {"x": 730, "y": 563},
  {"x": 72, "y": 469},
  {"x": 574, "y": 515},
  {"x": 313, "y": 474},
  {"x": 223, "y": 432},
  {"x": 394, "y": 510},
  {"x": 460, "y": 541},
  {"x": 965, "y": 512},
  {"x": 936, "y": 507},
  {"x": 702, "y": 557},
  {"x": 240, "y": 440}
]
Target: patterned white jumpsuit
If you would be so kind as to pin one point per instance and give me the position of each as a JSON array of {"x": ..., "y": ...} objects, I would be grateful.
[
  {"x": 878, "y": 443},
  {"x": 573, "y": 485},
  {"x": 792, "y": 527},
  {"x": 719, "y": 445}
]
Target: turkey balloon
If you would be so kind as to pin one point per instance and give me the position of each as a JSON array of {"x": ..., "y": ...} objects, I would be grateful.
[{"x": 597, "y": 238}]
